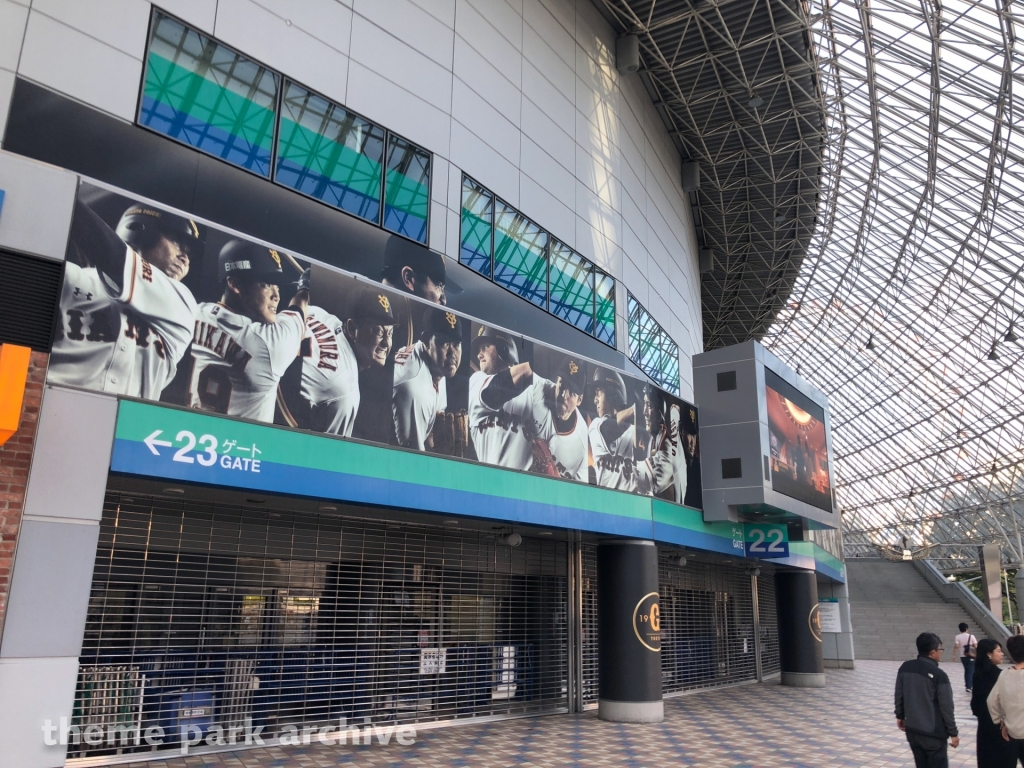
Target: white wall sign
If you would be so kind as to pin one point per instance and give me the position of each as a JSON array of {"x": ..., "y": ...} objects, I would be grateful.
[{"x": 829, "y": 612}]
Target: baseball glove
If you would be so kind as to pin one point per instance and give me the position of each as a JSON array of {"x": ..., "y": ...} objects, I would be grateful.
[{"x": 451, "y": 434}]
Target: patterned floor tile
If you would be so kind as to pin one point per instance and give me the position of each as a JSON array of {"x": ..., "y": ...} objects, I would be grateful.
[{"x": 847, "y": 723}]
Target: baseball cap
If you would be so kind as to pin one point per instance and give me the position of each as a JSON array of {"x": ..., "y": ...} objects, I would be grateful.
[
  {"x": 439, "y": 322},
  {"x": 400, "y": 252},
  {"x": 242, "y": 257},
  {"x": 571, "y": 373},
  {"x": 372, "y": 304}
]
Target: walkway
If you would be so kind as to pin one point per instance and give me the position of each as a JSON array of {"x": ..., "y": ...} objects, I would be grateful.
[{"x": 849, "y": 723}]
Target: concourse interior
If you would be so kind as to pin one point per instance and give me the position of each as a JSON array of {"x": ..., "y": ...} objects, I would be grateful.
[{"x": 710, "y": 729}]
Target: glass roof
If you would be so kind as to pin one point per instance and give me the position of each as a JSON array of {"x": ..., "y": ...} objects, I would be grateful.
[{"x": 908, "y": 303}]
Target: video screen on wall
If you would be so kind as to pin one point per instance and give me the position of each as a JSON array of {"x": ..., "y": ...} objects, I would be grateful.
[
  {"x": 799, "y": 450},
  {"x": 163, "y": 307}
]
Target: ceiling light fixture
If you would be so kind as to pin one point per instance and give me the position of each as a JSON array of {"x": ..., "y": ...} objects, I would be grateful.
[
  {"x": 174, "y": 490},
  {"x": 1010, "y": 335},
  {"x": 755, "y": 101},
  {"x": 779, "y": 217},
  {"x": 871, "y": 342},
  {"x": 992, "y": 355}
]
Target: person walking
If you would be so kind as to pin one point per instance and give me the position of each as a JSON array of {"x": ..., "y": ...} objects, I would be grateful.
[
  {"x": 992, "y": 749},
  {"x": 924, "y": 705},
  {"x": 1006, "y": 701},
  {"x": 965, "y": 646}
]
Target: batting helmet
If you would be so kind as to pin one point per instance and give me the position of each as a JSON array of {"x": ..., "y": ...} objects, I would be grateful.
[
  {"x": 504, "y": 343},
  {"x": 141, "y": 226},
  {"x": 612, "y": 384},
  {"x": 242, "y": 257}
]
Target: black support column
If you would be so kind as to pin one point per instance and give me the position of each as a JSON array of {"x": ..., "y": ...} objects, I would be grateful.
[
  {"x": 629, "y": 632},
  {"x": 799, "y": 629}
]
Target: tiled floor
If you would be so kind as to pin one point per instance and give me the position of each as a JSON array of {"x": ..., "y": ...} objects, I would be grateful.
[{"x": 848, "y": 723}]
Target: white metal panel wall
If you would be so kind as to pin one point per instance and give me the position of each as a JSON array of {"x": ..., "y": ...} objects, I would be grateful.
[{"x": 522, "y": 95}]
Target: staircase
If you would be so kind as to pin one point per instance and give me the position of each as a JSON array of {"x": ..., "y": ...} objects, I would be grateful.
[{"x": 891, "y": 604}]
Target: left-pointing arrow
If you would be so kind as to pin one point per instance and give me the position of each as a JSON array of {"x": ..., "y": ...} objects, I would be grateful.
[{"x": 152, "y": 442}]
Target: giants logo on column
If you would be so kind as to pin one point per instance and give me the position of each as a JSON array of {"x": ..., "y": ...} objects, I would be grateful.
[
  {"x": 647, "y": 622},
  {"x": 814, "y": 621}
]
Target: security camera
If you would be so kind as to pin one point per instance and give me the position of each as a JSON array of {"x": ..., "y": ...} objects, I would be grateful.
[{"x": 754, "y": 571}]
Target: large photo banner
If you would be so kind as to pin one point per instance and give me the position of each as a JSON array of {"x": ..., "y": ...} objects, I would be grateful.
[
  {"x": 162, "y": 307},
  {"x": 799, "y": 449}
]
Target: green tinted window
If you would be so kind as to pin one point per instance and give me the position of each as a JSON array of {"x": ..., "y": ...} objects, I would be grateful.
[
  {"x": 520, "y": 255},
  {"x": 651, "y": 348},
  {"x": 407, "y": 189},
  {"x": 328, "y": 153},
  {"x": 207, "y": 96},
  {"x": 604, "y": 307},
  {"x": 572, "y": 287},
  {"x": 477, "y": 227}
]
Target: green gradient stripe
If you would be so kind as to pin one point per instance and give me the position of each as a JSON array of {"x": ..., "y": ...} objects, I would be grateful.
[
  {"x": 208, "y": 102},
  {"x": 306, "y": 464},
  {"x": 329, "y": 158},
  {"x": 406, "y": 194}
]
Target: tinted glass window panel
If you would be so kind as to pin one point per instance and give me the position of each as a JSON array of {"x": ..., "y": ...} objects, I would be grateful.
[
  {"x": 572, "y": 287},
  {"x": 407, "y": 189},
  {"x": 477, "y": 227},
  {"x": 651, "y": 348},
  {"x": 520, "y": 262},
  {"x": 604, "y": 307},
  {"x": 207, "y": 96},
  {"x": 330, "y": 154}
]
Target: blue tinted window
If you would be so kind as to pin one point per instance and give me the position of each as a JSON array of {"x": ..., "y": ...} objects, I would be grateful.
[
  {"x": 520, "y": 255},
  {"x": 477, "y": 227},
  {"x": 572, "y": 287}
]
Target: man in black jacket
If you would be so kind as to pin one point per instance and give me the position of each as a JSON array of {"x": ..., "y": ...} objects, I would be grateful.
[{"x": 924, "y": 704}]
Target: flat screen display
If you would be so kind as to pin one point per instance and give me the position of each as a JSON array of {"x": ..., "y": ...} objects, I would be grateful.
[{"x": 799, "y": 449}]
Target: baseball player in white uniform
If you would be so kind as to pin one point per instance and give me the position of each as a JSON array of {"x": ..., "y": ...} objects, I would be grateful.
[
  {"x": 339, "y": 350},
  {"x": 502, "y": 404},
  {"x": 675, "y": 427},
  {"x": 561, "y": 426},
  {"x": 612, "y": 433},
  {"x": 242, "y": 345},
  {"x": 126, "y": 318},
  {"x": 421, "y": 371},
  {"x": 656, "y": 473}
]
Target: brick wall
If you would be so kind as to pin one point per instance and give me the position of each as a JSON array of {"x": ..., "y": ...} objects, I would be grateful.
[{"x": 15, "y": 456}]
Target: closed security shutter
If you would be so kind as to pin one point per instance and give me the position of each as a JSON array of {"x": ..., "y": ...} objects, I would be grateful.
[
  {"x": 588, "y": 613},
  {"x": 211, "y": 615},
  {"x": 770, "y": 663},
  {"x": 29, "y": 292},
  {"x": 707, "y": 625}
]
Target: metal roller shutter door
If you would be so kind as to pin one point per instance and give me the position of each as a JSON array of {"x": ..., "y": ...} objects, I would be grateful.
[{"x": 210, "y": 614}]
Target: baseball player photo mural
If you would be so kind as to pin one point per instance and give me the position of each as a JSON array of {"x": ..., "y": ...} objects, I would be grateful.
[
  {"x": 337, "y": 351},
  {"x": 656, "y": 473},
  {"x": 613, "y": 432},
  {"x": 125, "y": 316},
  {"x": 693, "y": 496},
  {"x": 414, "y": 269},
  {"x": 502, "y": 403},
  {"x": 563, "y": 444},
  {"x": 420, "y": 399},
  {"x": 242, "y": 344}
]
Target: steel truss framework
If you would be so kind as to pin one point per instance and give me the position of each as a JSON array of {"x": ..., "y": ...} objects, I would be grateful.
[
  {"x": 736, "y": 83},
  {"x": 908, "y": 303}
]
